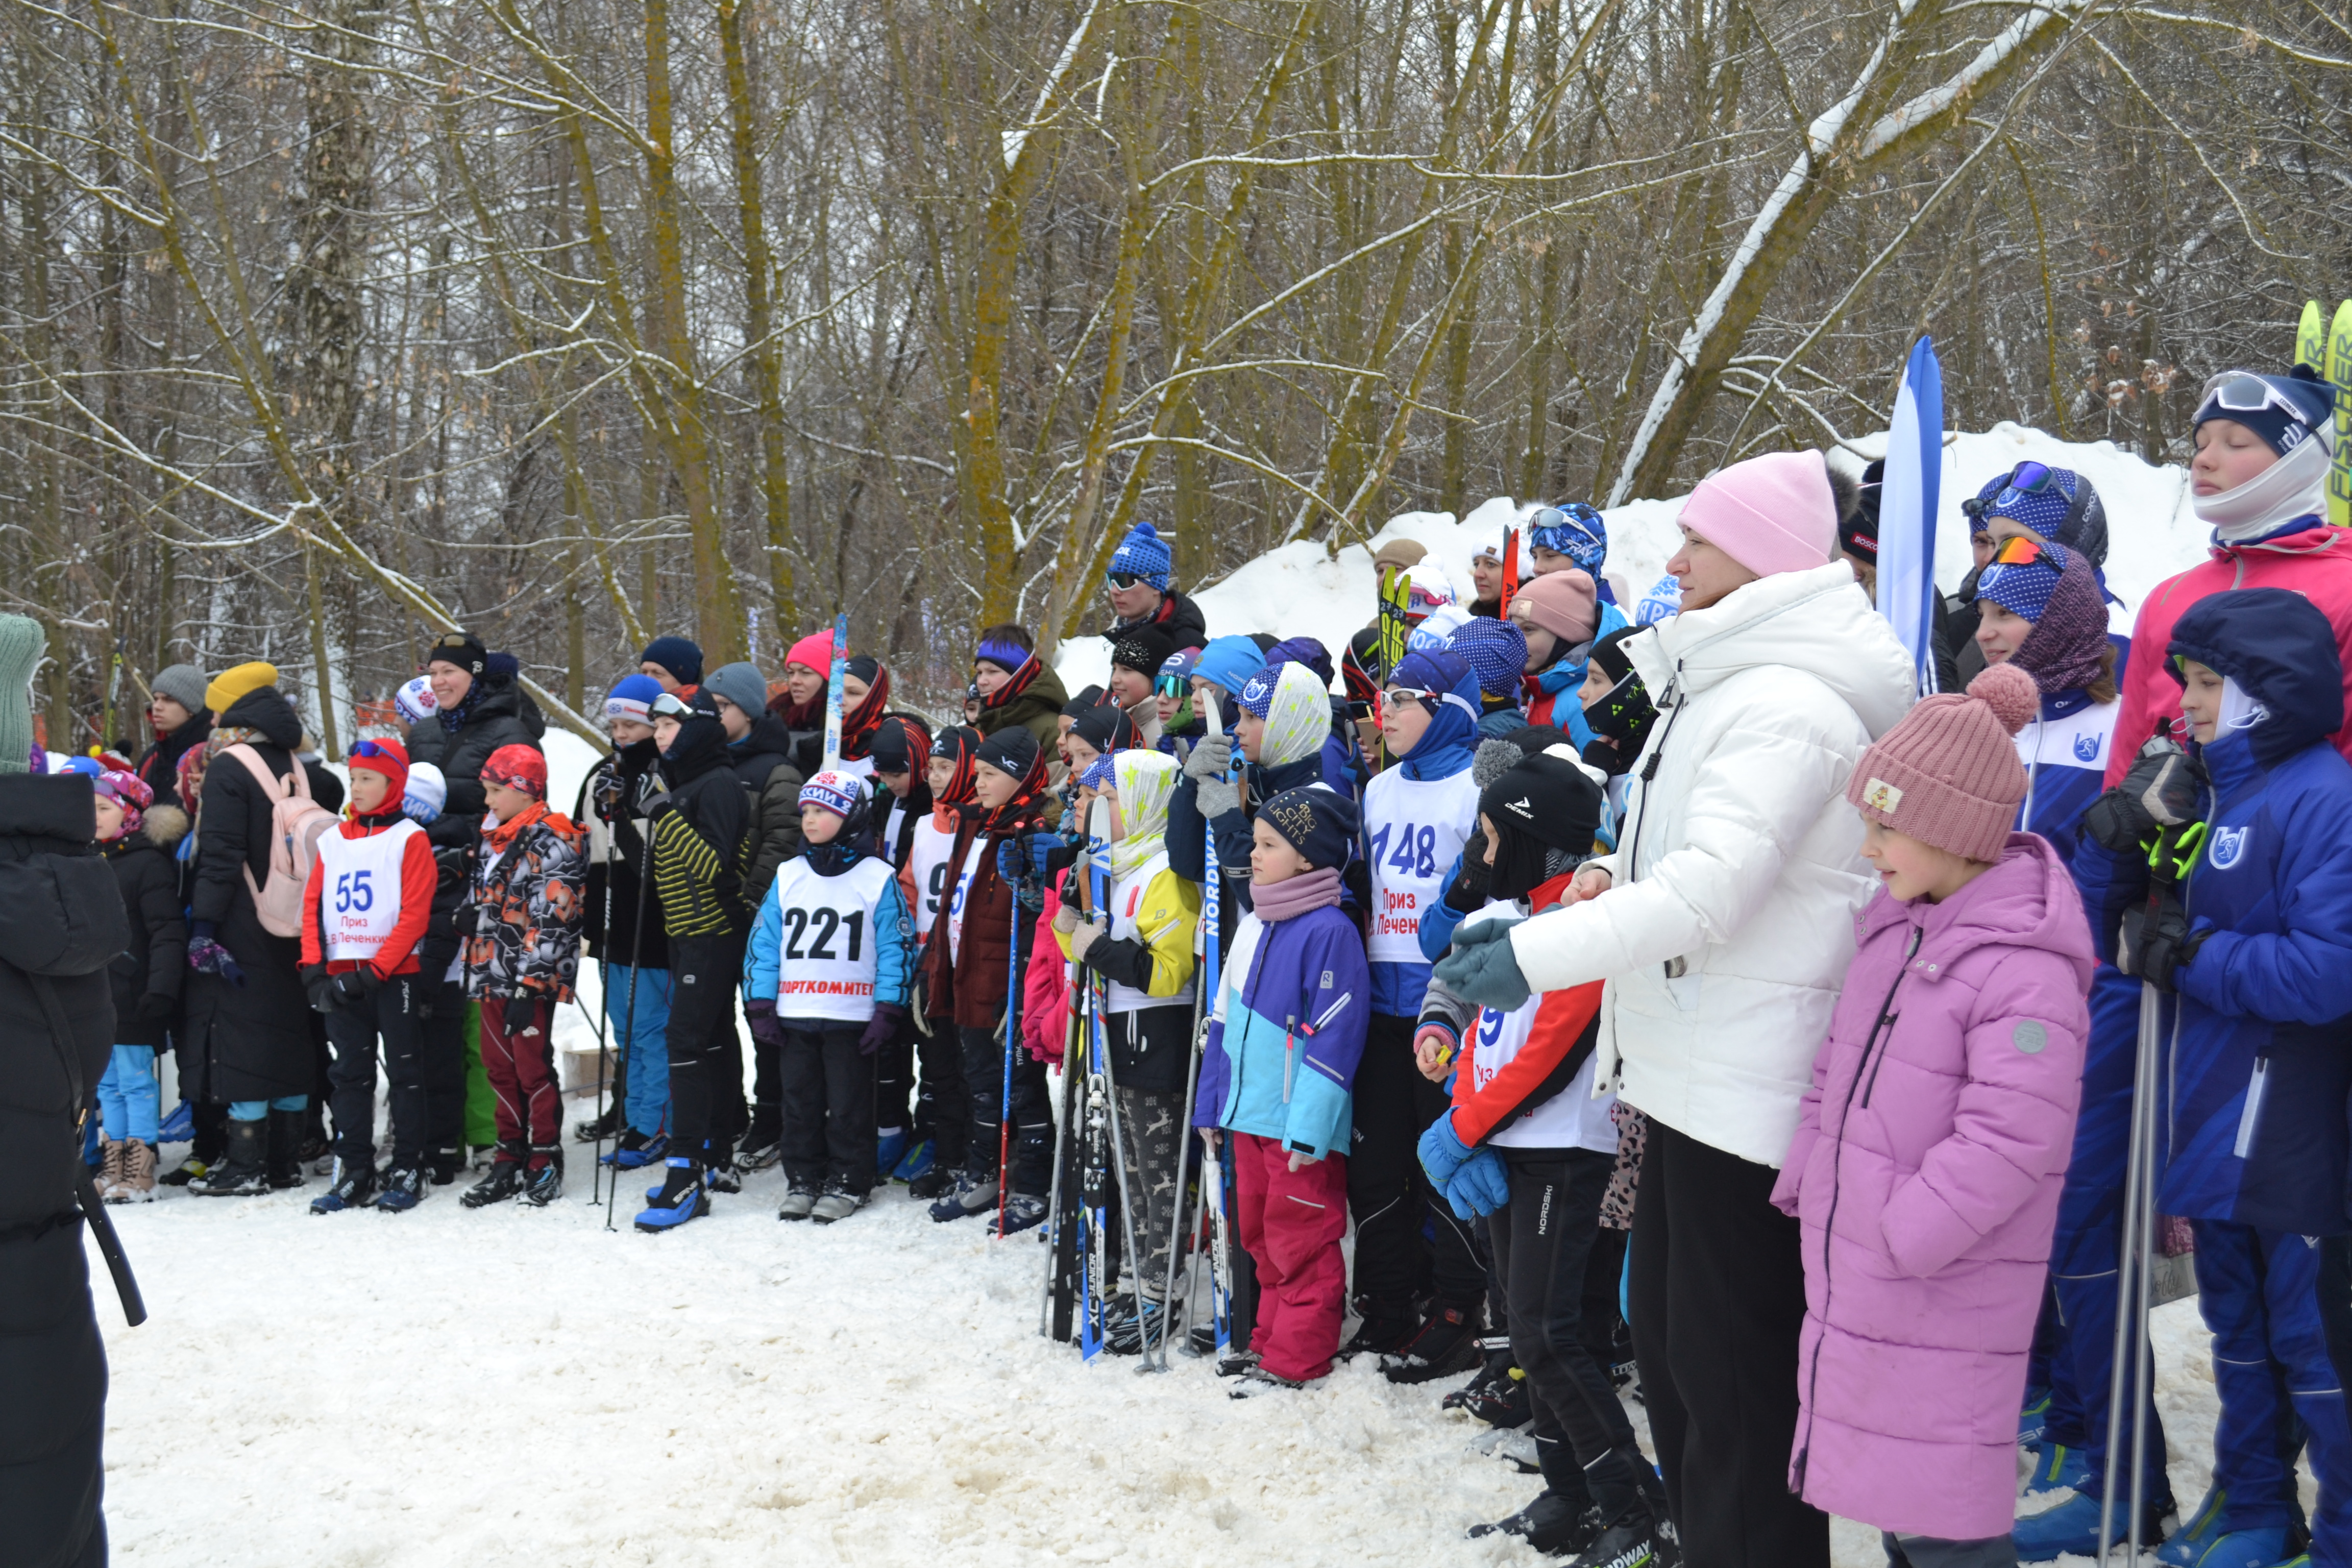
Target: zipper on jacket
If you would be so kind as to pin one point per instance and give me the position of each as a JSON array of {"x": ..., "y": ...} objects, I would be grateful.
[
  {"x": 1887, "y": 1016},
  {"x": 1289, "y": 1037},
  {"x": 1828, "y": 1221}
]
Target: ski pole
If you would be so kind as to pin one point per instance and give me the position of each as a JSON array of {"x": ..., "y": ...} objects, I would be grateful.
[
  {"x": 603, "y": 1067},
  {"x": 1053, "y": 1197},
  {"x": 1012, "y": 1043}
]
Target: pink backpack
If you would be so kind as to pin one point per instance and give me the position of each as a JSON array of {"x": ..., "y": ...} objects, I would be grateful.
[{"x": 296, "y": 821}]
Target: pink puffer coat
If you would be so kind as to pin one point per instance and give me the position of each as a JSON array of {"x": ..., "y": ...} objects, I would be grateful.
[{"x": 1926, "y": 1171}]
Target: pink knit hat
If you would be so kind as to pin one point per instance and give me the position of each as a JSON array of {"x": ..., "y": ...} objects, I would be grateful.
[
  {"x": 1772, "y": 514},
  {"x": 1948, "y": 774},
  {"x": 815, "y": 651},
  {"x": 1561, "y": 603}
]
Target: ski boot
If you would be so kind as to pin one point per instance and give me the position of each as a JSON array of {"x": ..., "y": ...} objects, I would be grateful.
[
  {"x": 545, "y": 1183},
  {"x": 1024, "y": 1211},
  {"x": 1446, "y": 1343},
  {"x": 293, "y": 1143},
  {"x": 681, "y": 1198},
  {"x": 887, "y": 1147},
  {"x": 2199, "y": 1529},
  {"x": 189, "y": 1169},
  {"x": 1633, "y": 1540},
  {"x": 2058, "y": 1466},
  {"x": 179, "y": 1127},
  {"x": 239, "y": 1172},
  {"x": 505, "y": 1180},
  {"x": 2033, "y": 1418},
  {"x": 637, "y": 1150},
  {"x": 403, "y": 1188},
  {"x": 1497, "y": 1365},
  {"x": 915, "y": 1164},
  {"x": 1506, "y": 1402},
  {"x": 759, "y": 1156},
  {"x": 1257, "y": 1381},
  {"x": 448, "y": 1165},
  {"x": 720, "y": 1171},
  {"x": 1129, "y": 1330},
  {"x": 1563, "y": 1519},
  {"x": 354, "y": 1185},
  {"x": 971, "y": 1195},
  {"x": 603, "y": 1127},
  {"x": 936, "y": 1183},
  {"x": 800, "y": 1201},
  {"x": 838, "y": 1203},
  {"x": 2073, "y": 1527},
  {"x": 1385, "y": 1331}
]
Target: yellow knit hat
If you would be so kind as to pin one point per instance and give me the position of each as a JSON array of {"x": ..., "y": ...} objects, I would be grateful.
[{"x": 231, "y": 684}]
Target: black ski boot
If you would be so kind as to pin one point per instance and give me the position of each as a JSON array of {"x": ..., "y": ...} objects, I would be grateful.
[
  {"x": 1446, "y": 1343},
  {"x": 446, "y": 1164},
  {"x": 936, "y": 1183},
  {"x": 289, "y": 1143},
  {"x": 1497, "y": 1366},
  {"x": 544, "y": 1183},
  {"x": 1563, "y": 1518},
  {"x": 354, "y": 1186},
  {"x": 1505, "y": 1403},
  {"x": 1633, "y": 1540},
  {"x": 505, "y": 1180},
  {"x": 240, "y": 1171},
  {"x": 604, "y": 1127},
  {"x": 1385, "y": 1331}
]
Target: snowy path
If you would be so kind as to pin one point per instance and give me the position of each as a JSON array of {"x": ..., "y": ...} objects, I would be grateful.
[{"x": 515, "y": 1385}]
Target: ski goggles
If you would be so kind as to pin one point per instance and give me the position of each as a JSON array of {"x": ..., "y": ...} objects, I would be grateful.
[
  {"x": 2236, "y": 392},
  {"x": 2027, "y": 479},
  {"x": 2018, "y": 550},
  {"x": 1430, "y": 700},
  {"x": 670, "y": 705},
  {"x": 1172, "y": 686},
  {"x": 370, "y": 749},
  {"x": 1126, "y": 579}
]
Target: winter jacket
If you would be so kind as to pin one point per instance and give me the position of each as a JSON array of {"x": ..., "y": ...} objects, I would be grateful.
[
  {"x": 459, "y": 742},
  {"x": 967, "y": 986},
  {"x": 768, "y": 958},
  {"x": 702, "y": 839},
  {"x": 61, "y": 920},
  {"x": 158, "y": 765},
  {"x": 1176, "y": 615},
  {"x": 1553, "y": 691},
  {"x": 1512, "y": 1069},
  {"x": 419, "y": 885},
  {"x": 1034, "y": 702},
  {"x": 523, "y": 930},
  {"x": 2259, "y": 1038},
  {"x": 2315, "y": 561},
  {"x": 251, "y": 1041},
  {"x": 2064, "y": 750},
  {"x": 618, "y": 898},
  {"x": 1728, "y": 927},
  {"x": 763, "y": 761},
  {"x": 1287, "y": 1032},
  {"x": 148, "y": 971},
  {"x": 1929, "y": 1153},
  {"x": 1045, "y": 990},
  {"x": 1150, "y": 1045}
]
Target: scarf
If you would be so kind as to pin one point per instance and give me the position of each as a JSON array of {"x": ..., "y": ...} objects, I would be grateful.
[
  {"x": 1020, "y": 810},
  {"x": 857, "y": 726},
  {"x": 1016, "y": 684},
  {"x": 499, "y": 836},
  {"x": 1145, "y": 780},
  {"x": 1295, "y": 896},
  {"x": 454, "y": 719},
  {"x": 2290, "y": 489}
]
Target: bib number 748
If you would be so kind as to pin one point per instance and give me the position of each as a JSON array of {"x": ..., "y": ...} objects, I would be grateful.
[
  {"x": 1416, "y": 850},
  {"x": 353, "y": 893}
]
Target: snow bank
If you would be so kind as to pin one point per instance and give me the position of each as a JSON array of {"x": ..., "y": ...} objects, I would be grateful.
[{"x": 1299, "y": 590}]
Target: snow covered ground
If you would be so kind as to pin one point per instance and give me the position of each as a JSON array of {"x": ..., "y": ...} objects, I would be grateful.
[{"x": 366, "y": 1391}]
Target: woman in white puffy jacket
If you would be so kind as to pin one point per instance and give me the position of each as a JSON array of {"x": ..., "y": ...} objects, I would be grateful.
[{"x": 1723, "y": 925}]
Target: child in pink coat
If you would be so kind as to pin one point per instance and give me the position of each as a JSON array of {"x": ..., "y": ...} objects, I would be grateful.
[{"x": 1932, "y": 1145}]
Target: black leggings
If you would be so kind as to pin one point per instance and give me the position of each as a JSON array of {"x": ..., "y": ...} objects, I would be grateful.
[{"x": 703, "y": 1045}]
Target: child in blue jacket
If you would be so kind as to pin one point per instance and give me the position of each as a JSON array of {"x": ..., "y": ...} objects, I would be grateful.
[
  {"x": 825, "y": 982},
  {"x": 2255, "y": 960},
  {"x": 1279, "y": 1074}
]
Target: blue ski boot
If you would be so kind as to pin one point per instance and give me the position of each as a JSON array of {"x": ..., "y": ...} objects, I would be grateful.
[
  {"x": 2073, "y": 1527},
  {"x": 678, "y": 1199},
  {"x": 2031, "y": 1419},
  {"x": 403, "y": 1188},
  {"x": 916, "y": 1163},
  {"x": 2057, "y": 1465},
  {"x": 887, "y": 1148},
  {"x": 353, "y": 1187},
  {"x": 637, "y": 1150}
]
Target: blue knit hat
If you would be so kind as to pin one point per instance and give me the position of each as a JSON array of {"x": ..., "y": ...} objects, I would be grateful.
[
  {"x": 1574, "y": 531},
  {"x": 1308, "y": 651},
  {"x": 679, "y": 656},
  {"x": 1229, "y": 662},
  {"x": 1146, "y": 554},
  {"x": 2065, "y": 508},
  {"x": 1495, "y": 651},
  {"x": 2283, "y": 410},
  {"x": 632, "y": 696},
  {"x": 2024, "y": 587}
]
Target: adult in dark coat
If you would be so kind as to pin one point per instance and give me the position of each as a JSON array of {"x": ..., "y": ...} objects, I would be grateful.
[
  {"x": 482, "y": 709},
  {"x": 248, "y": 1024},
  {"x": 177, "y": 714},
  {"x": 148, "y": 973},
  {"x": 60, "y": 921}
]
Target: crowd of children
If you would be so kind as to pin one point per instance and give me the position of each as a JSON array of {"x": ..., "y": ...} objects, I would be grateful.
[{"x": 1677, "y": 997}]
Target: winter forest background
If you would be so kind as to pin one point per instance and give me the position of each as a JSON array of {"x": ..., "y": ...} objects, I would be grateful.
[{"x": 324, "y": 326}]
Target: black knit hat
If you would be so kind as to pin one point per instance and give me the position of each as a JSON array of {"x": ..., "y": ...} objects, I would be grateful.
[
  {"x": 1087, "y": 698},
  {"x": 1106, "y": 728},
  {"x": 1321, "y": 823},
  {"x": 461, "y": 648},
  {"x": 1011, "y": 749},
  {"x": 1142, "y": 648},
  {"x": 1609, "y": 653},
  {"x": 1541, "y": 803}
]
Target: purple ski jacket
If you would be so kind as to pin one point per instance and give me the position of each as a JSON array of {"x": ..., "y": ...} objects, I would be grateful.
[{"x": 1924, "y": 1172}]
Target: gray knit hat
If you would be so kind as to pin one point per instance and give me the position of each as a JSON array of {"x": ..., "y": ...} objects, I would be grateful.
[
  {"x": 184, "y": 684},
  {"x": 740, "y": 683}
]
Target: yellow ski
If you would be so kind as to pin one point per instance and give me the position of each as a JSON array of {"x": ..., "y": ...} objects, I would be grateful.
[
  {"x": 2311, "y": 338},
  {"x": 2338, "y": 369}
]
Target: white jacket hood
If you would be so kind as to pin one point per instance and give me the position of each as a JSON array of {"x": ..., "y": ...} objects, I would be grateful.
[{"x": 1729, "y": 925}]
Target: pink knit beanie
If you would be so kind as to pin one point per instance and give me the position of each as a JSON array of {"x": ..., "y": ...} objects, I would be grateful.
[
  {"x": 1948, "y": 774},
  {"x": 814, "y": 651},
  {"x": 1772, "y": 514},
  {"x": 1561, "y": 603}
]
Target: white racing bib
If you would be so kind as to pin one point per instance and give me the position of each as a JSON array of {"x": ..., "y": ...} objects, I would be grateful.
[
  {"x": 358, "y": 889},
  {"x": 1126, "y": 894},
  {"x": 926, "y": 867},
  {"x": 825, "y": 951},
  {"x": 1412, "y": 831},
  {"x": 962, "y": 891},
  {"x": 1572, "y": 1119}
]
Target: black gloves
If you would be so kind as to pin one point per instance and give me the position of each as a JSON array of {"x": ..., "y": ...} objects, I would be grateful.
[
  {"x": 1468, "y": 893},
  {"x": 2153, "y": 943},
  {"x": 2166, "y": 787}
]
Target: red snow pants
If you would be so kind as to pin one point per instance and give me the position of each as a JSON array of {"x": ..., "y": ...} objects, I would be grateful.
[
  {"x": 1291, "y": 1223},
  {"x": 519, "y": 1056}
]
